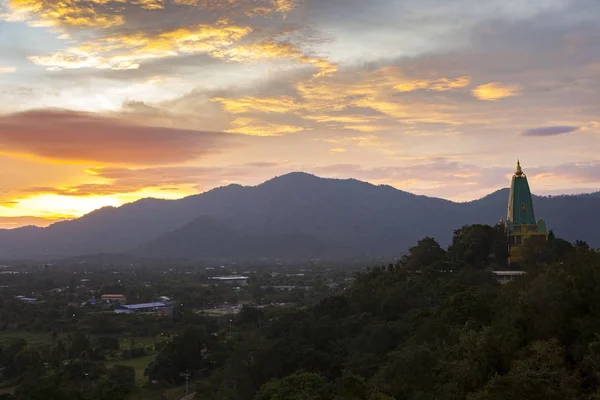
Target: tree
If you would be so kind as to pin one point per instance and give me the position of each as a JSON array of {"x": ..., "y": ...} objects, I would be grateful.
[
  {"x": 537, "y": 253},
  {"x": 426, "y": 254},
  {"x": 190, "y": 349},
  {"x": 80, "y": 343},
  {"x": 250, "y": 316},
  {"x": 473, "y": 244},
  {"x": 543, "y": 375},
  {"x": 408, "y": 372},
  {"x": 352, "y": 387},
  {"x": 298, "y": 386},
  {"x": 122, "y": 375}
]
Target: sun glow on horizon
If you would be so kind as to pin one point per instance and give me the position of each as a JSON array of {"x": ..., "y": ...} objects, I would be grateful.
[{"x": 56, "y": 207}]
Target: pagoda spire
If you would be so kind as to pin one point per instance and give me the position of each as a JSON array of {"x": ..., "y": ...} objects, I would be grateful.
[
  {"x": 520, "y": 219},
  {"x": 519, "y": 171}
]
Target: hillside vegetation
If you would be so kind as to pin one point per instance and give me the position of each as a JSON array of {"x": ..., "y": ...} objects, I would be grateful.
[{"x": 435, "y": 325}]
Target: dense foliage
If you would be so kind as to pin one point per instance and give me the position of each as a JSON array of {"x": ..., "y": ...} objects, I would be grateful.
[{"x": 434, "y": 325}]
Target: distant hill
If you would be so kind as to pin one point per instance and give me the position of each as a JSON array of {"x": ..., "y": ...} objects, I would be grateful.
[{"x": 294, "y": 216}]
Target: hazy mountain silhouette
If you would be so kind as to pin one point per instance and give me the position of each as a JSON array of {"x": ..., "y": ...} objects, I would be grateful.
[
  {"x": 206, "y": 237},
  {"x": 292, "y": 216}
]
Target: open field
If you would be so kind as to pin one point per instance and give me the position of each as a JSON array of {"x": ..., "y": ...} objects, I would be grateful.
[
  {"x": 125, "y": 341},
  {"x": 30, "y": 337}
]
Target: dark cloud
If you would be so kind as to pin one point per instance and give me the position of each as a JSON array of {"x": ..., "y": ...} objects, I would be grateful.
[
  {"x": 66, "y": 135},
  {"x": 550, "y": 130}
]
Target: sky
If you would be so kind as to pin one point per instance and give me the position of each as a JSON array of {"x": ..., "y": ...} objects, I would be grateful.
[{"x": 103, "y": 102}]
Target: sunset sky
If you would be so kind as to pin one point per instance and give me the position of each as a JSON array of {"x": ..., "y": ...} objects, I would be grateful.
[{"x": 103, "y": 102}]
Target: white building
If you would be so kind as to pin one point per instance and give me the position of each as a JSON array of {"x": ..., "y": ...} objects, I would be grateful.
[
  {"x": 506, "y": 276},
  {"x": 231, "y": 280}
]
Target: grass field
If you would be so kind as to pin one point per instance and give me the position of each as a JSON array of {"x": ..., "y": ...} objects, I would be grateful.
[
  {"x": 30, "y": 337},
  {"x": 41, "y": 337},
  {"x": 138, "y": 364},
  {"x": 139, "y": 341}
]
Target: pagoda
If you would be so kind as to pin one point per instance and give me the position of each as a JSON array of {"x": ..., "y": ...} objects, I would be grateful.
[{"x": 520, "y": 219}]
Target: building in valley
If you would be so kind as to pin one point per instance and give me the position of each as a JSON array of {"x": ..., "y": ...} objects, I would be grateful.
[
  {"x": 156, "y": 307},
  {"x": 114, "y": 298}
]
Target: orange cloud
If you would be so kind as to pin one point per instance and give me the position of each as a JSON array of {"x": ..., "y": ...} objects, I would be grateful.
[
  {"x": 15, "y": 222},
  {"x": 254, "y": 127},
  {"x": 369, "y": 141},
  {"x": 65, "y": 135},
  {"x": 150, "y": 4},
  {"x": 247, "y": 7},
  {"x": 495, "y": 90},
  {"x": 7, "y": 70},
  {"x": 111, "y": 13},
  {"x": 127, "y": 51},
  {"x": 106, "y": 14},
  {"x": 251, "y": 103},
  {"x": 332, "y": 101},
  {"x": 70, "y": 13},
  {"x": 438, "y": 85},
  {"x": 129, "y": 184},
  {"x": 274, "y": 50}
]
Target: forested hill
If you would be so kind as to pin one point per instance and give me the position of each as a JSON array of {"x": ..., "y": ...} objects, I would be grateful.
[
  {"x": 434, "y": 326},
  {"x": 295, "y": 216}
]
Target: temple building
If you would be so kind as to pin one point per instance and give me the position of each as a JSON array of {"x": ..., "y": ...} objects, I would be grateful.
[{"x": 520, "y": 219}]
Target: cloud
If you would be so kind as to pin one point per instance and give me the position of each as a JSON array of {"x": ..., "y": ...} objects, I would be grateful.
[
  {"x": 252, "y": 127},
  {"x": 437, "y": 172},
  {"x": 438, "y": 85},
  {"x": 550, "y": 130},
  {"x": 123, "y": 34},
  {"x": 70, "y": 136},
  {"x": 581, "y": 172},
  {"x": 274, "y": 50},
  {"x": 105, "y": 14},
  {"x": 127, "y": 51},
  {"x": 52, "y": 13},
  {"x": 182, "y": 179},
  {"x": 442, "y": 176},
  {"x": 367, "y": 141},
  {"x": 359, "y": 100},
  {"x": 7, "y": 70},
  {"x": 281, "y": 104},
  {"x": 459, "y": 180},
  {"x": 495, "y": 90},
  {"x": 249, "y": 8},
  {"x": 15, "y": 222}
]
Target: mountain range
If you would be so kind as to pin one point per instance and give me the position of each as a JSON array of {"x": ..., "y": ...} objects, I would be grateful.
[{"x": 294, "y": 216}]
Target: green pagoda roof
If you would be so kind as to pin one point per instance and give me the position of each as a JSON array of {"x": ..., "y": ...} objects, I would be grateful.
[{"x": 520, "y": 203}]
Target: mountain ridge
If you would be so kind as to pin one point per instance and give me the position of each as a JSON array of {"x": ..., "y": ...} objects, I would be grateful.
[{"x": 334, "y": 217}]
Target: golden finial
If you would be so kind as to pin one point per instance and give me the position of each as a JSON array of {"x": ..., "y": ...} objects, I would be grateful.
[{"x": 519, "y": 171}]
